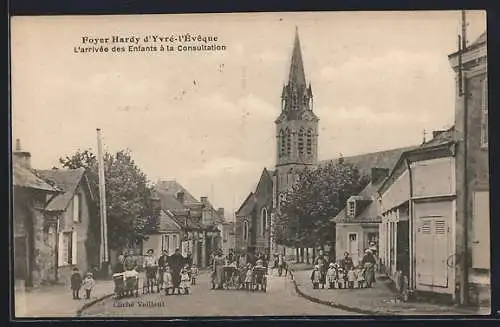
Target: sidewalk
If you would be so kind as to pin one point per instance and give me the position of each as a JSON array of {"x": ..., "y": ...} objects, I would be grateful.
[
  {"x": 378, "y": 300},
  {"x": 56, "y": 300}
]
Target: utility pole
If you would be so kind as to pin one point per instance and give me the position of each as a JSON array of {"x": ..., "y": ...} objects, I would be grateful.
[{"x": 102, "y": 204}]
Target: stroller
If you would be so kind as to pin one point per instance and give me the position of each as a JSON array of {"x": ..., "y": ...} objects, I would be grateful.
[{"x": 126, "y": 284}]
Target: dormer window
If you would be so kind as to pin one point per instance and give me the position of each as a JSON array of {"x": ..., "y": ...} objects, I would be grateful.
[{"x": 351, "y": 208}]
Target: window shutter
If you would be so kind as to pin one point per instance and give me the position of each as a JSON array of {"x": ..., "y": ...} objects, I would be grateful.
[
  {"x": 73, "y": 248},
  {"x": 481, "y": 231},
  {"x": 76, "y": 204},
  {"x": 60, "y": 250}
]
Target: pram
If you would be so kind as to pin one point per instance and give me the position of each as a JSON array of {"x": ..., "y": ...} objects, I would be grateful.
[
  {"x": 231, "y": 277},
  {"x": 260, "y": 278},
  {"x": 126, "y": 285}
]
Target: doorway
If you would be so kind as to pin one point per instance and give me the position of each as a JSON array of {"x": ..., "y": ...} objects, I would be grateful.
[{"x": 353, "y": 247}]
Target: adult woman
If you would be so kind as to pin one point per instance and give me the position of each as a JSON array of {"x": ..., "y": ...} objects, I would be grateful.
[
  {"x": 218, "y": 269},
  {"x": 368, "y": 263},
  {"x": 322, "y": 262}
]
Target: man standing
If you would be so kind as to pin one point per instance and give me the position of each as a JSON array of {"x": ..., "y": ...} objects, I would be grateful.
[
  {"x": 162, "y": 262},
  {"x": 176, "y": 262},
  {"x": 151, "y": 267}
]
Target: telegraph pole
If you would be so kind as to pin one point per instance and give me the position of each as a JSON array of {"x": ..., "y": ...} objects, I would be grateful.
[{"x": 102, "y": 204}]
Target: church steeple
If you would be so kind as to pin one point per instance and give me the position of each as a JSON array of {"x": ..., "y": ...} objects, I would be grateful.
[
  {"x": 296, "y": 75},
  {"x": 297, "y": 125}
]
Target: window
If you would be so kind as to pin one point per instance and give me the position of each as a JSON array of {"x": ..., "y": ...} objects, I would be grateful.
[
  {"x": 245, "y": 230},
  {"x": 288, "y": 142},
  {"x": 175, "y": 242},
  {"x": 481, "y": 230},
  {"x": 67, "y": 248},
  {"x": 165, "y": 245},
  {"x": 309, "y": 142},
  {"x": 77, "y": 211},
  {"x": 301, "y": 142},
  {"x": 351, "y": 209},
  {"x": 283, "y": 143},
  {"x": 484, "y": 121},
  {"x": 263, "y": 222}
]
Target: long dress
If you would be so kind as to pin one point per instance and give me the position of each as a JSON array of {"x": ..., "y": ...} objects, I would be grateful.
[
  {"x": 219, "y": 270},
  {"x": 176, "y": 262}
]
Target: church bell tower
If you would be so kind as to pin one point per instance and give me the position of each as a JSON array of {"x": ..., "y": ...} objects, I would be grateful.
[{"x": 296, "y": 126}]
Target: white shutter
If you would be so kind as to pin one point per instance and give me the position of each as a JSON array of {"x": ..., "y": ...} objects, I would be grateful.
[
  {"x": 440, "y": 253},
  {"x": 481, "y": 231},
  {"x": 424, "y": 252},
  {"x": 73, "y": 247},
  {"x": 60, "y": 250},
  {"x": 76, "y": 205}
]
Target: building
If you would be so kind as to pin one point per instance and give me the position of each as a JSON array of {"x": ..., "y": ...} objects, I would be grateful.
[
  {"x": 416, "y": 204},
  {"x": 435, "y": 203},
  {"x": 253, "y": 219},
  {"x": 35, "y": 233},
  {"x": 56, "y": 224},
  {"x": 74, "y": 209},
  {"x": 472, "y": 174},
  {"x": 198, "y": 221},
  {"x": 228, "y": 237},
  {"x": 357, "y": 225}
]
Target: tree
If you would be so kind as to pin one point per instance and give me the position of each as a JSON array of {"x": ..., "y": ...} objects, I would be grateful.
[
  {"x": 130, "y": 212},
  {"x": 319, "y": 195}
]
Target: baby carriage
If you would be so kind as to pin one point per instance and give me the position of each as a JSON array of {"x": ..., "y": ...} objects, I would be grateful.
[
  {"x": 126, "y": 284},
  {"x": 260, "y": 278},
  {"x": 230, "y": 277}
]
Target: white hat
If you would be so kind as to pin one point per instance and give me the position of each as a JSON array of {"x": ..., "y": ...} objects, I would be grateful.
[
  {"x": 368, "y": 251},
  {"x": 316, "y": 267},
  {"x": 332, "y": 265}
]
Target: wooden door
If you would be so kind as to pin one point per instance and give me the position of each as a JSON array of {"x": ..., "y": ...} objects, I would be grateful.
[{"x": 353, "y": 247}]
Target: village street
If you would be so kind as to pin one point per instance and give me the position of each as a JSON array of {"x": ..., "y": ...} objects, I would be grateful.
[{"x": 279, "y": 300}]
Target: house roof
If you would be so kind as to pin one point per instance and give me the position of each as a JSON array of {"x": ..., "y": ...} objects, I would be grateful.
[
  {"x": 23, "y": 177},
  {"x": 168, "y": 223},
  {"x": 442, "y": 137},
  {"x": 481, "y": 39},
  {"x": 382, "y": 159},
  {"x": 65, "y": 179},
  {"x": 170, "y": 202},
  {"x": 172, "y": 187},
  {"x": 248, "y": 206}
]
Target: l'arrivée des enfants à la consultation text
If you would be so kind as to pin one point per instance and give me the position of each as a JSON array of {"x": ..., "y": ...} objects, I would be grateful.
[{"x": 149, "y": 43}]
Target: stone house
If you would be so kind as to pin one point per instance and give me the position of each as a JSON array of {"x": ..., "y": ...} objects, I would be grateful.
[
  {"x": 34, "y": 233},
  {"x": 78, "y": 223}
]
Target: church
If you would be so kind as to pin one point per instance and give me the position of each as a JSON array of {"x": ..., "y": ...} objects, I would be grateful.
[{"x": 296, "y": 149}]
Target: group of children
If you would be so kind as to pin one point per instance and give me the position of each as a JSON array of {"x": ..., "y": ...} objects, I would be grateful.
[
  {"x": 338, "y": 277},
  {"x": 77, "y": 283},
  {"x": 249, "y": 275},
  {"x": 188, "y": 277}
]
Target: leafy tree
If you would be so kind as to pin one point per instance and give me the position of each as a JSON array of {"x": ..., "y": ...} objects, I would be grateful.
[
  {"x": 130, "y": 211},
  {"x": 319, "y": 195}
]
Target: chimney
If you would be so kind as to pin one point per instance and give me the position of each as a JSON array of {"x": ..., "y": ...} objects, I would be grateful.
[
  {"x": 204, "y": 199},
  {"x": 378, "y": 174},
  {"x": 220, "y": 211},
  {"x": 20, "y": 157},
  {"x": 180, "y": 197}
]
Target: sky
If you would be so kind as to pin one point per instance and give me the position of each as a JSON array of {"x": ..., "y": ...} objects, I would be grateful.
[{"x": 206, "y": 119}]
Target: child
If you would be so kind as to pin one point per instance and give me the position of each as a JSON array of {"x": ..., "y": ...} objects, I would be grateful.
[
  {"x": 194, "y": 274},
  {"x": 185, "y": 280},
  {"x": 331, "y": 276},
  {"x": 249, "y": 276},
  {"x": 167, "y": 280},
  {"x": 315, "y": 277},
  {"x": 88, "y": 285},
  {"x": 341, "y": 277},
  {"x": 351, "y": 277},
  {"x": 76, "y": 283},
  {"x": 361, "y": 277}
]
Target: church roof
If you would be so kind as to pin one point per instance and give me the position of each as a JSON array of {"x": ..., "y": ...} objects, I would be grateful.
[
  {"x": 381, "y": 159},
  {"x": 247, "y": 206},
  {"x": 296, "y": 76}
]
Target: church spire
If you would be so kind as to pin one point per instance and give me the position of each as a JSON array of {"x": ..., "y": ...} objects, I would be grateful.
[{"x": 296, "y": 75}]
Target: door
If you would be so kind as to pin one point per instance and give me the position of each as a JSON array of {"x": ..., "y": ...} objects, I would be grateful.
[
  {"x": 353, "y": 247},
  {"x": 433, "y": 244},
  {"x": 20, "y": 258}
]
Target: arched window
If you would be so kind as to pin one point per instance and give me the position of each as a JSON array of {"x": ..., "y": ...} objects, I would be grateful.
[
  {"x": 263, "y": 226},
  {"x": 283, "y": 143},
  {"x": 245, "y": 230},
  {"x": 288, "y": 142},
  {"x": 301, "y": 142},
  {"x": 309, "y": 142},
  {"x": 289, "y": 177}
]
